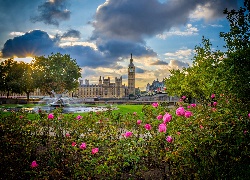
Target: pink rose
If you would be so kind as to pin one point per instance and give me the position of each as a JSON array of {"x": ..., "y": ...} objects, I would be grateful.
[
  {"x": 50, "y": 116},
  {"x": 128, "y": 134},
  {"x": 178, "y": 133},
  {"x": 213, "y": 96},
  {"x": 155, "y": 104},
  {"x": 134, "y": 113},
  {"x": 83, "y": 146},
  {"x": 188, "y": 114},
  {"x": 78, "y": 117},
  {"x": 180, "y": 111},
  {"x": 213, "y": 109},
  {"x": 193, "y": 105},
  {"x": 169, "y": 139},
  {"x": 147, "y": 126},
  {"x": 167, "y": 118},
  {"x": 67, "y": 134},
  {"x": 188, "y": 107},
  {"x": 94, "y": 150},
  {"x": 162, "y": 128},
  {"x": 73, "y": 144},
  {"x": 159, "y": 117},
  {"x": 214, "y": 103},
  {"x": 249, "y": 115},
  {"x": 33, "y": 164},
  {"x": 183, "y": 97},
  {"x": 138, "y": 122},
  {"x": 201, "y": 127}
]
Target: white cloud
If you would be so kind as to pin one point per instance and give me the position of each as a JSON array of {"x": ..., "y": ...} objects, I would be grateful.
[
  {"x": 180, "y": 54},
  {"x": 92, "y": 45},
  {"x": 189, "y": 31},
  {"x": 202, "y": 12},
  {"x": 17, "y": 33}
]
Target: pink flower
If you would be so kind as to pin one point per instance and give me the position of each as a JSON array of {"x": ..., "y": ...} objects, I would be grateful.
[
  {"x": 213, "y": 109},
  {"x": 169, "y": 139},
  {"x": 245, "y": 131},
  {"x": 183, "y": 97},
  {"x": 213, "y": 96},
  {"x": 73, "y": 144},
  {"x": 155, "y": 104},
  {"x": 138, "y": 122},
  {"x": 134, "y": 113},
  {"x": 180, "y": 111},
  {"x": 50, "y": 116},
  {"x": 178, "y": 133},
  {"x": 33, "y": 164},
  {"x": 147, "y": 126},
  {"x": 162, "y": 128},
  {"x": 201, "y": 127},
  {"x": 188, "y": 114},
  {"x": 188, "y": 107},
  {"x": 83, "y": 146},
  {"x": 193, "y": 105},
  {"x": 249, "y": 115},
  {"x": 95, "y": 150},
  {"x": 78, "y": 117},
  {"x": 67, "y": 134},
  {"x": 167, "y": 118},
  {"x": 214, "y": 103},
  {"x": 159, "y": 117},
  {"x": 21, "y": 117},
  {"x": 128, "y": 134}
]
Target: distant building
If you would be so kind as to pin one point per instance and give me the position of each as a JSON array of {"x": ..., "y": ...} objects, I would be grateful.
[
  {"x": 156, "y": 86},
  {"x": 106, "y": 89}
]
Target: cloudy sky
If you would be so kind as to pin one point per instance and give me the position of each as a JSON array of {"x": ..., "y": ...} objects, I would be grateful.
[{"x": 101, "y": 35}]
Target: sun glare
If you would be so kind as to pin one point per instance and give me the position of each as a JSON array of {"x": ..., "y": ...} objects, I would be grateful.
[{"x": 26, "y": 59}]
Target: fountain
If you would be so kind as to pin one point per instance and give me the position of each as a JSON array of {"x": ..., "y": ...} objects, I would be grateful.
[{"x": 68, "y": 105}]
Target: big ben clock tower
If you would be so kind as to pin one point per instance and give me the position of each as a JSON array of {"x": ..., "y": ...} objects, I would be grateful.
[{"x": 131, "y": 77}]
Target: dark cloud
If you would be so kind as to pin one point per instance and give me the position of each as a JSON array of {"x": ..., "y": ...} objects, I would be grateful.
[
  {"x": 71, "y": 34},
  {"x": 87, "y": 56},
  {"x": 135, "y": 20},
  {"x": 52, "y": 12},
  {"x": 159, "y": 62},
  {"x": 139, "y": 70},
  {"x": 39, "y": 43},
  {"x": 31, "y": 43},
  {"x": 117, "y": 48}
]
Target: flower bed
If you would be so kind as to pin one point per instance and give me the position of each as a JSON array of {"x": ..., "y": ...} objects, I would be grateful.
[{"x": 190, "y": 141}]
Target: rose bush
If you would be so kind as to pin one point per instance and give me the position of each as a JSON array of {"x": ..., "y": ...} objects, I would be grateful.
[{"x": 181, "y": 144}]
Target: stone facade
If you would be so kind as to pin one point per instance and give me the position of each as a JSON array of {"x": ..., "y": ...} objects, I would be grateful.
[{"x": 106, "y": 89}]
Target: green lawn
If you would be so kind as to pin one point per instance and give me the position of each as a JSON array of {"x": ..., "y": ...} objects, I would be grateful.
[{"x": 122, "y": 109}]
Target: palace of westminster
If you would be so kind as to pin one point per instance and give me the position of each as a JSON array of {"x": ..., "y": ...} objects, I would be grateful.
[{"x": 106, "y": 89}]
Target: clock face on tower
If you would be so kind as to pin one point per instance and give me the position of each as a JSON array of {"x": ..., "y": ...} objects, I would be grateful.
[{"x": 131, "y": 70}]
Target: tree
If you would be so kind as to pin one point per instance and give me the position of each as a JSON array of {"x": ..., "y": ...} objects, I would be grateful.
[
  {"x": 10, "y": 73},
  {"x": 58, "y": 73},
  {"x": 27, "y": 84},
  {"x": 237, "y": 63},
  {"x": 219, "y": 72}
]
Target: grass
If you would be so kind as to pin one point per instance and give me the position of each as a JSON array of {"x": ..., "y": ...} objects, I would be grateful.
[{"x": 122, "y": 109}]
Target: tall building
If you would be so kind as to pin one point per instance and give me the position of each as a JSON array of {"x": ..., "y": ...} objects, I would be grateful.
[
  {"x": 131, "y": 77},
  {"x": 106, "y": 89}
]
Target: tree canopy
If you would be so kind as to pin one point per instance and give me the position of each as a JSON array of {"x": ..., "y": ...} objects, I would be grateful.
[
  {"x": 214, "y": 71},
  {"x": 56, "y": 72}
]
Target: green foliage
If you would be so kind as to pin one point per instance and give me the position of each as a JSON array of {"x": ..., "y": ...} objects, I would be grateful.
[
  {"x": 57, "y": 73},
  {"x": 16, "y": 77},
  {"x": 215, "y": 71},
  {"x": 212, "y": 143}
]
